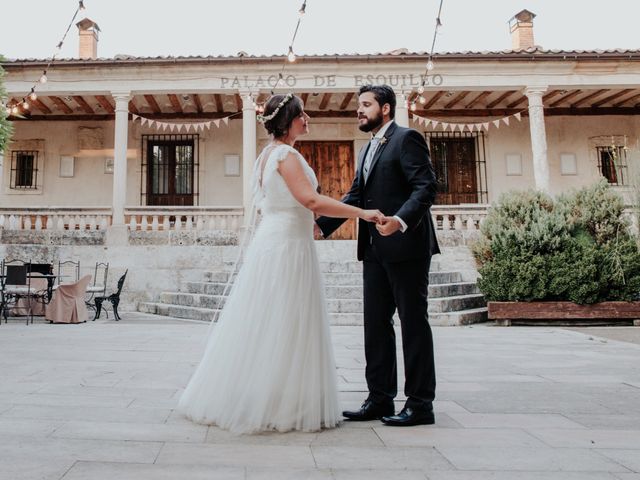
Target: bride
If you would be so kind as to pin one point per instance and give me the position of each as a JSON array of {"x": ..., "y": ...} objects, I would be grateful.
[{"x": 268, "y": 363}]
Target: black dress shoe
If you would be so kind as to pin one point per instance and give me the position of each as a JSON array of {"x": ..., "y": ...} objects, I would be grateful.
[
  {"x": 409, "y": 417},
  {"x": 369, "y": 411}
]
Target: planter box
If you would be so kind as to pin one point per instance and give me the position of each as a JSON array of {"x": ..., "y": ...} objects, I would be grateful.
[{"x": 564, "y": 312}]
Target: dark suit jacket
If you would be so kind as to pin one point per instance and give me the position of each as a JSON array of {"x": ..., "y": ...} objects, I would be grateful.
[{"x": 401, "y": 182}]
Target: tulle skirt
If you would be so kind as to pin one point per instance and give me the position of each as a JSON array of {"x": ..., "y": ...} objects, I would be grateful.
[{"x": 269, "y": 363}]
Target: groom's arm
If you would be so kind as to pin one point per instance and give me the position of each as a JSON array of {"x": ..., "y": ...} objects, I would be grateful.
[
  {"x": 416, "y": 166},
  {"x": 329, "y": 225}
]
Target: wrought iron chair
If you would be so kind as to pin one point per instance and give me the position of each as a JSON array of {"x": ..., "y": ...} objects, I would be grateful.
[
  {"x": 114, "y": 298},
  {"x": 16, "y": 289},
  {"x": 68, "y": 272},
  {"x": 99, "y": 286}
]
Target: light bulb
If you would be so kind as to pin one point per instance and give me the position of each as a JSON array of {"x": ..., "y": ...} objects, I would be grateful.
[
  {"x": 422, "y": 100},
  {"x": 33, "y": 96},
  {"x": 413, "y": 106},
  {"x": 291, "y": 56},
  {"x": 25, "y": 105},
  {"x": 421, "y": 89},
  {"x": 14, "y": 110},
  {"x": 43, "y": 78},
  {"x": 81, "y": 5},
  {"x": 429, "y": 65}
]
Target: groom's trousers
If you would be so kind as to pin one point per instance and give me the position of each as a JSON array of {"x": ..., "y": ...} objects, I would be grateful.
[{"x": 401, "y": 285}]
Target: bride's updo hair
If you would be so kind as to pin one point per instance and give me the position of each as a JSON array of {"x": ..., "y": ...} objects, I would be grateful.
[{"x": 281, "y": 121}]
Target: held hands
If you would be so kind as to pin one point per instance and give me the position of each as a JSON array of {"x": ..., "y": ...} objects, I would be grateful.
[
  {"x": 373, "y": 216},
  {"x": 388, "y": 226}
]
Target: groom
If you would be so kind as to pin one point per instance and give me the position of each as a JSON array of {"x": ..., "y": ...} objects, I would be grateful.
[{"x": 394, "y": 175}]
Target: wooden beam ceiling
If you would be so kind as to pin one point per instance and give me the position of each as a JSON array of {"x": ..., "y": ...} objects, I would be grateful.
[
  {"x": 460, "y": 96},
  {"x": 196, "y": 100},
  {"x": 500, "y": 99},
  {"x": 550, "y": 95},
  {"x": 133, "y": 108},
  {"x": 325, "y": 101},
  {"x": 61, "y": 105},
  {"x": 615, "y": 96},
  {"x": 83, "y": 104},
  {"x": 175, "y": 103},
  {"x": 630, "y": 99},
  {"x": 217, "y": 98},
  {"x": 434, "y": 99},
  {"x": 479, "y": 97},
  {"x": 106, "y": 104},
  {"x": 40, "y": 105},
  {"x": 346, "y": 100},
  {"x": 238, "y": 102},
  {"x": 304, "y": 97},
  {"x": 151, "y": 101},
  {"x": 569, "y": 96},
  {"x": 517, "y": 102},
  {"x": 583, "y": 100}
]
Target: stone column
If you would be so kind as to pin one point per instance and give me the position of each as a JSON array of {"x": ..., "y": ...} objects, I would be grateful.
[
  {"x": 248, "y": 150},
  {"x": 538, "y": 138},
  {"x": 402, "y": 112},
  {"x": 120, "y": 156}
]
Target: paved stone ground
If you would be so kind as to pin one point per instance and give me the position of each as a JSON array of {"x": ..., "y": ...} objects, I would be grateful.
[{"x": 95, "y": 401}]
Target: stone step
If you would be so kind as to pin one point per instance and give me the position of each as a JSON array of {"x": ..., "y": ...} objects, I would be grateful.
[
  {"x": 355, "y": 266},
  {"x": 457, "y": 303},
  {"x": 348, "y": 277},
  {"x": 464, "y": 317},
  {"x": 192, "y": 299},
  {"x": 178, "y": 311},
  {"x": 452, "y": 289},
  {"x": 207, "y": 288}
]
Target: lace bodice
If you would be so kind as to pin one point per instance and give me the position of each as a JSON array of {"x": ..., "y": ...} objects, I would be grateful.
[{"x": 270, "y": 190}]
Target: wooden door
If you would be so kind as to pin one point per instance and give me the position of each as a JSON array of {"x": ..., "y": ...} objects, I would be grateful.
[
  {"x": 454, "y": 160},
  {"x": 334, "y": 165}
]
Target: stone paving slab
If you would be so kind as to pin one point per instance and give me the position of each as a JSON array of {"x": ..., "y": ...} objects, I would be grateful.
[{"x": 97, "y": 400}]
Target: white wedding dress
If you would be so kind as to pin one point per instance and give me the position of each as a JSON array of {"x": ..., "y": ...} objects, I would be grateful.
[{"x": 268, "y": 363}]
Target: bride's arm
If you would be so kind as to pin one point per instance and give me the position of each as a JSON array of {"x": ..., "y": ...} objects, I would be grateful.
[{"x": 300, "y": 187}]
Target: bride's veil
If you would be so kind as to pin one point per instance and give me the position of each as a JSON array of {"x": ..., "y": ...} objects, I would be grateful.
[{"x": 250, "y": 228}]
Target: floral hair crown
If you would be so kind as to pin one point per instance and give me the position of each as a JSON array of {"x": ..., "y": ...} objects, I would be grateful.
[{"x": 283, "y": 102}]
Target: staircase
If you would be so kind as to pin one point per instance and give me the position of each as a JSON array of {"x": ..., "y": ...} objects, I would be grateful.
[{"x": 451, "y": 300}]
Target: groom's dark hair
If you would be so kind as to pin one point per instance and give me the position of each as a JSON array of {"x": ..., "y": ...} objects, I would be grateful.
[{"x": 383, "y": 94}]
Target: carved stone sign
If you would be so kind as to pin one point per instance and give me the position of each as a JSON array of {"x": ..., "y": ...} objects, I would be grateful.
[
  {"x": 400, "y": 81},
  {"x": 90, "y": 138}
]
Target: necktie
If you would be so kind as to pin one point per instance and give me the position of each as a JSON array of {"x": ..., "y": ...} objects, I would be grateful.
[{"x": 373, "y": 146}]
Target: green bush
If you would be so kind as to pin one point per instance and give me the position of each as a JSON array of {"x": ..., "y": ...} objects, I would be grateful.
[{"x": 575, "y": 248}]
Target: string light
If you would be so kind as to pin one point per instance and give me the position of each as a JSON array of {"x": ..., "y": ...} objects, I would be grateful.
[
  {"x": 24, "y": 103},
  {"x": 291, "y": 56},
  {"x": 430, "y": 65}
]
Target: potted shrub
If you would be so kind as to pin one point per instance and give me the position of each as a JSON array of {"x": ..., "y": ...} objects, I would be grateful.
[{"x": 565, "y": 259}]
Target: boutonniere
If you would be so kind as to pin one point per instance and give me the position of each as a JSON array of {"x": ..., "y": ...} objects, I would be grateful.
[{"x": 383, "y": 140}]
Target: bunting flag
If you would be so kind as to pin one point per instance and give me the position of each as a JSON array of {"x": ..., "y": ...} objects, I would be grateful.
[
  {"x": 431, "y": 123},
  {"x": 180, "y": 126}
]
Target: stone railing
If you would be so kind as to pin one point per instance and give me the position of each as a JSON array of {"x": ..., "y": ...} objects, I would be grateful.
[
  {"x": 458, "y": 217},
  {"x": 184, "y": 218},
  {"x": 55, "y": 218}
]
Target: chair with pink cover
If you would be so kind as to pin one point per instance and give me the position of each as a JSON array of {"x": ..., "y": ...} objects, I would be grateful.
[{"x": 67, "y": 304}]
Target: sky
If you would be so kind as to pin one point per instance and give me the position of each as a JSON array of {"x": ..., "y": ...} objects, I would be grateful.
[{"x": 32, "y": 29}]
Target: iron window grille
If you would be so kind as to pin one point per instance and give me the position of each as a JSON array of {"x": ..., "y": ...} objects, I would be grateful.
[
  {"x": 612, "y": 164},
  {"x": 459, "y": 160},
  {"x": 170, "y": 170},
  {"x": 24, "y": 170}
]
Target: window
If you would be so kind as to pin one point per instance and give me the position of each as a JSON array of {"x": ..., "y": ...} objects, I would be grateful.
[
  {"x": 170, "y": 170},
  {"x": 612, "y": 164},
  {"x": 458, "y": 159},
  {"x": 24, "y": 169}
]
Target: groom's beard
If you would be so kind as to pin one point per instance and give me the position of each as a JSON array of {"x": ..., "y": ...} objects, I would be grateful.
[{"x": 372, "y": 123}]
